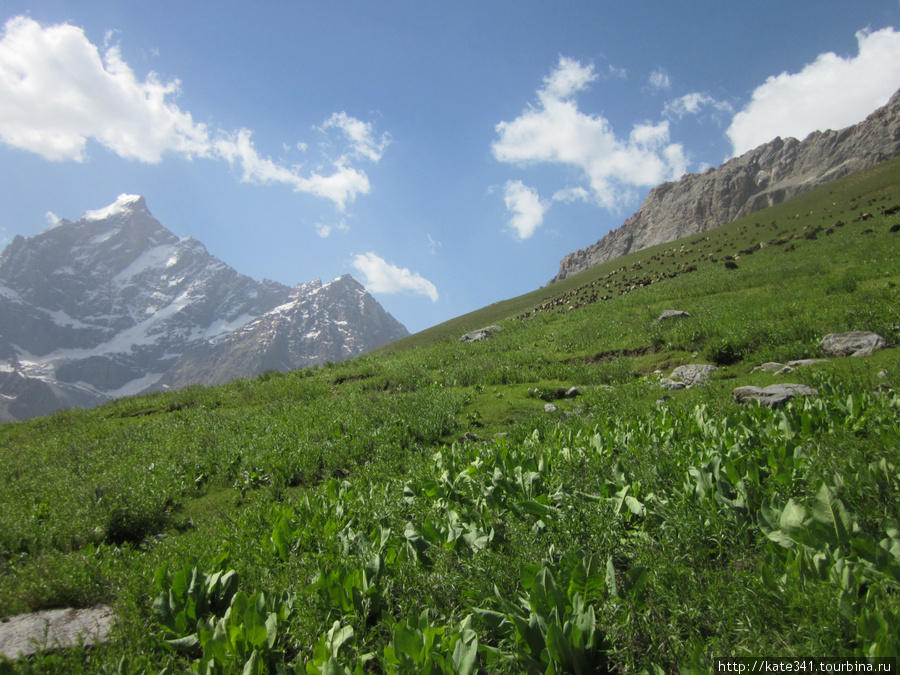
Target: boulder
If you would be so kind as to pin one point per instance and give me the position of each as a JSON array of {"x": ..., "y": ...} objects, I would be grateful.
[
  {"x": 672, "y": 314},
  {"x": 26, "y": 634},
  {"x": 693, "y": 374},
  {"x": 550, "y": 408},
  {"x": 773, "y": 395},
  {"x": 480, "y": 334},
  {"x": 856, "y": 343}
]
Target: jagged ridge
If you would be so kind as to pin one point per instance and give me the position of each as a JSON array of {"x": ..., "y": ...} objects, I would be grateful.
[
  {"x": 116, "y": 304},
  {"x": 767, "y": 175}
]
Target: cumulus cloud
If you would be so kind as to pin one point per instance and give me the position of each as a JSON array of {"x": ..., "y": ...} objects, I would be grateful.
[
  {"x": 527, "y": 208},
  {"x": 57, "y": 92},
  {"x": 693, "y": 104},
  {"x": 383, "y": 277},
  {"x": 341, "y": 185},
  {"x": 556, "y": 131},
  {"x": 829, "y": 93}
]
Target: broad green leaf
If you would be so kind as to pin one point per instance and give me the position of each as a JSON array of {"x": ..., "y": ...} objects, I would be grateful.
[
  {"x": 586, "y": 578},
  {"x": 611, "y": 585},
  {"x": 830, "y": 511},
  {"x": 536, "y": 508},
  {"x": 409, "y": 641},
  {"x": 185, "y": 644},
  {"x": 465, "y": 652},
  {"x": 271, "y": 629},
  {"x": 254, "y": 665},
  {"x": 558, "y": 646},
  {"x": 793, "y": 521}
]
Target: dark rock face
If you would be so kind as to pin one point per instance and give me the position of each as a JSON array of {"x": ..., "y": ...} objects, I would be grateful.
[
  {"x": 116, "y": 304},
  {"x": 767, "y": 175}
]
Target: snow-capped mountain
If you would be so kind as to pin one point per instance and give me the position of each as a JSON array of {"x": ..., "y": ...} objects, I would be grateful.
[{"x": 115, "y": 304}]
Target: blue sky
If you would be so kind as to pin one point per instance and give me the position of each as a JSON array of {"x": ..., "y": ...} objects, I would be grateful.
[{"x": 446, "y": 154}]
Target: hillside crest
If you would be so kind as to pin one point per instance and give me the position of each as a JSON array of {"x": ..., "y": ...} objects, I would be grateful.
[{"x": 767, "y": 175}]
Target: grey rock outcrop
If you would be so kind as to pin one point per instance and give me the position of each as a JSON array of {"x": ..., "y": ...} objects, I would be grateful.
[
  {"x": 856, "y": 343},
  {"x": 480, "y": 334},
  {"x": 26, "y": 634},
  {"x": 767, "y": 175},
  {"x": 693, "y": 374},
  {"x": 673, "y": 314},
  {"x": 115, "y": 304},
  {"x": 773, "y": 395}
]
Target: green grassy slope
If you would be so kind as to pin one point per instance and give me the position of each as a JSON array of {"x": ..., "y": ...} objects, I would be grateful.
[{"x": 638, "y": 534}]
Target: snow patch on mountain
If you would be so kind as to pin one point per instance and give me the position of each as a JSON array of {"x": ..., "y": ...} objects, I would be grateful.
[
  {"x": 122, "y": 205},
  {"x": 115, "y": 304}
]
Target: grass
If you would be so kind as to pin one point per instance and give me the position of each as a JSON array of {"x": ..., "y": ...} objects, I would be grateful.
[{"x": 615, "y": 533}]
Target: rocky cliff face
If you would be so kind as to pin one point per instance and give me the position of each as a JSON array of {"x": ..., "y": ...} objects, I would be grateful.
[
  {"x": 767, "y": 175},
  {"x": 116, "y": 304}
]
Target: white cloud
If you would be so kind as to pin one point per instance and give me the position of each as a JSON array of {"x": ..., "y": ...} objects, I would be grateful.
[
  {"x": 659, "y": 79},
  {"x": 359, "y": 134},
  {"x": 323, "y": 229},
  {"x": 619, "y": 73},
  {"x": 527, "y": 208},
  {"x": 829, "y": 93},
  {"x": 556, "y": 131},
  {"x": 433, "y": 245},
  {"x": 692, "y": 104},
  {"x": 57, "y": 92},
  {"x": 340, "y": 186},
  {"x": 383, "y": 277},
  {"x": 569, "y": 195}
]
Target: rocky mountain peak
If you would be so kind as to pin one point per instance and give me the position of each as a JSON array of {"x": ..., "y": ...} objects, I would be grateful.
[
  {"x": 115, "y": 304},
  {"x": 769, "y": 174}
]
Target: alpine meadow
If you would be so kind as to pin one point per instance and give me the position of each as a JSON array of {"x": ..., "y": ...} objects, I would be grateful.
[{"x": 549, "y": 499}]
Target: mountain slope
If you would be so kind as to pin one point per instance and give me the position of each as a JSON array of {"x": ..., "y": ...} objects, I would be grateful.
[
  {"x": 415, "y": 494},
  {"x": 767, "y": 175},
  {"x": 109, "y": 304}
]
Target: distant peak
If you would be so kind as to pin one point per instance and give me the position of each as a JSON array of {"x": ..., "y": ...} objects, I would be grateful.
[
  {"x": 346, "y": 280},
  {"x": 124, "y": 204}
]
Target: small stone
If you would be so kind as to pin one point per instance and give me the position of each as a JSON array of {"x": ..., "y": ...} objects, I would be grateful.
[
  {"x": 573, "y": 392},
  {"x": 771, "y": 367},
  {"x": 806, "y": 362},
  {"x": 468, "y": 436},
  {"x": 882, "y": 374},
  {"x": 672, "y": 314},
  {"x": 550, "y": 408}
]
